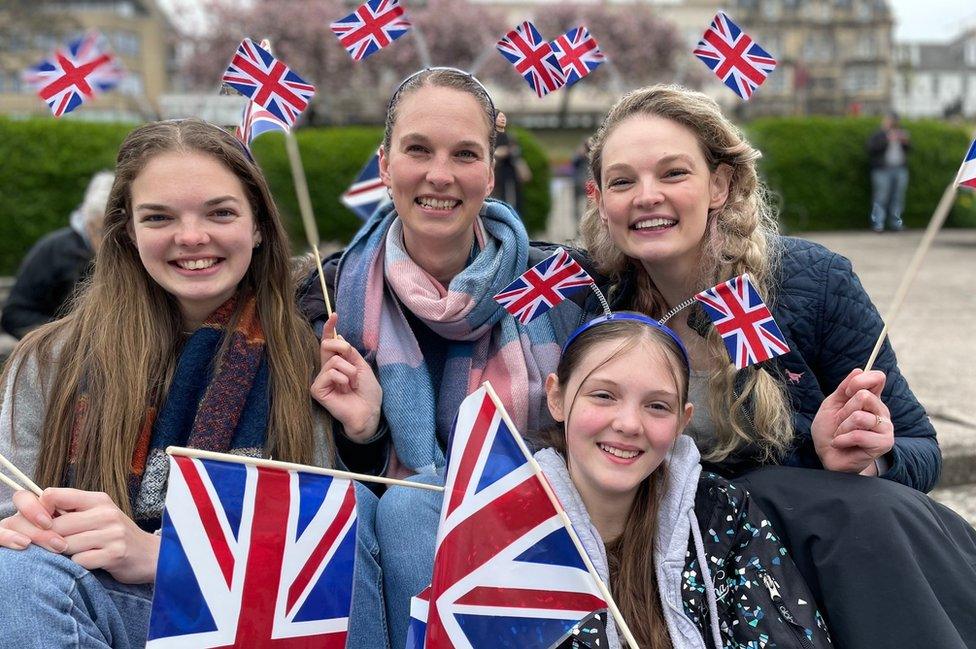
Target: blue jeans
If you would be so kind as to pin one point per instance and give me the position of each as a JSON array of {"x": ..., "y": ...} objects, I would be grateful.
[
  {"x": 888, "y": 186},
  {"x": 406, "y": 529},
  {"x": 48, "y": 600}
]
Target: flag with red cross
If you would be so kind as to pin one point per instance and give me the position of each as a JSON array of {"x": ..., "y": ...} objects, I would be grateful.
[
  {"x": 734, "y": 56},
  {"x": 73, "y": 75},
  {"x": 257, "y": 74},
  {"x": 578, "y": 54},
  {"x": 373, "y": 26},
  {"x": 533, "y": 58},
  {"x": 543, "y": 286}
]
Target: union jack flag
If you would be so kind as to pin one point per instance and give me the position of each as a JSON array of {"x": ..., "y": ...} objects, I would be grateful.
[
  {"x": 367, "y": 192},
  {"x": 374, "y": 25},
  {"x": 258, "y": 75},
  {"x": 734, "y": 57},
  {"x": 543, "y": 286},
  {"x": 967, "y": 174},
  {"x": 256, "y": 121},
  {"x": 742, "y": 318},
  {"x": 417, "y": 631},
  {"x": 253, "y": 556},
  {"x": 507, "y": 573},
  {"x": 533, "y": 57},
  {"x": 75, "y": 74},
  {"x": 578, "y": 54}
]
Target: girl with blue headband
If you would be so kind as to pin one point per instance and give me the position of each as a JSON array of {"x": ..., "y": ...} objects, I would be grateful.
[{"x": 678, "y": 546}]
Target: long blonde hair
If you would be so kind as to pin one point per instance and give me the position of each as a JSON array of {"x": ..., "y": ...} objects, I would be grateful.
[
  {"x": 739, "y": 238},
  {"x": 119, "y": 343},
  {"x": 633, "y": 581}
]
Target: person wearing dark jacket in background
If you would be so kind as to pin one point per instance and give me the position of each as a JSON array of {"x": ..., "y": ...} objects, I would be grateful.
[
  {"x": 56, "y": 263},
  {"x": 888, "y": 155}
]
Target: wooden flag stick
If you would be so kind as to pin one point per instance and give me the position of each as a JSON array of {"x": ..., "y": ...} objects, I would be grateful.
[
  {"x": 289, "y": 466},
  {"x": 10, "y": 483},
  {"x": 17, "y": 473},
  {"x": 614, "y": 610},
  {"x": 938, "y": 218},
  {"x": 305, "y": 207}
]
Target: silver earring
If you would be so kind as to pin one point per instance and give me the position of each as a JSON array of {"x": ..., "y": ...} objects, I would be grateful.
[{"x": 389, "y": 192}]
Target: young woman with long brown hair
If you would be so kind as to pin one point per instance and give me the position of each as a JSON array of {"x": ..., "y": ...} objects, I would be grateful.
[
  {"x": 679, "y": 208},
  {"x": 187, "y": 334}
]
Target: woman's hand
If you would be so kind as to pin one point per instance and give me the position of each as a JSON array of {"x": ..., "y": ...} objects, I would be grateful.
[
  {"x": 853, "y": 426},
  {"x": 346, "y": 386},
  {"x": 90, "y": 528}
]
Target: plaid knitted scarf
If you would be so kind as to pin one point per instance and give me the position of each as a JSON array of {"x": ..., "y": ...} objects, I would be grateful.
[
  {"x": 223, "y": 408},
  {"x": 378, "y": 280}
]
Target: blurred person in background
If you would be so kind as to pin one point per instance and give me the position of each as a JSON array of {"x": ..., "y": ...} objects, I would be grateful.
[
  {"x": 56, "y": 263},
  {"x": 888, "y": 155}
]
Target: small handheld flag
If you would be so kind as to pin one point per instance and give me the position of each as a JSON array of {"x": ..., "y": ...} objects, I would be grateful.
[
  {"x": 256, "y": 121},
  {"x": 367, "y": 192},
  {"x": 543, "y": 286},
  {"x": 734, "y": 57},
  {"x": 578, "y": 54},
  {"x": 73, "y": 75},
  {"x": 374, "y": 25},
  {"x": 507, "y": 572},
  {"x": 745, "y": 323},
  {"x": 258, "y": 75},
  {"x": 253, "y": 556},
  {"x": 533, "y": 58},
  {"x": 967, "y": 173}
]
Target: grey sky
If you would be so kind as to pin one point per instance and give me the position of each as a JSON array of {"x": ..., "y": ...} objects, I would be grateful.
[
  {"x": 932, "y": 20},
  {"x": 929, "y": 20}
]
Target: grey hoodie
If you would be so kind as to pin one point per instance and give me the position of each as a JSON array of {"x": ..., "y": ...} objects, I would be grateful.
[{"x": 676, "y": 524}]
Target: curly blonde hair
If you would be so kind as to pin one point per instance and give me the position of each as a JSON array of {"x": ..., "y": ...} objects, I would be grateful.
[{"x": 740, "y": 237}]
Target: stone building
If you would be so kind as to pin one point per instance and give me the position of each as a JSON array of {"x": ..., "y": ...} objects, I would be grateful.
[{"x": 936, "y": 79}]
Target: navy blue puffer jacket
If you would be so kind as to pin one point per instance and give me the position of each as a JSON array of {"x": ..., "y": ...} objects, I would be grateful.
[{"x": 831, "y": 326}]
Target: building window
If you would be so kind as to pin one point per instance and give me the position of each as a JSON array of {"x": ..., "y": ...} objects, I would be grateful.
[
  {"x": 971, "y": 53},
  {"x": 818, "y": 47},
  {"x": 125, "y": 43},
  {"x": 867, "y": 46},
  {"x": 861, "y": 80},
  {"x": 772, "y": 9}
]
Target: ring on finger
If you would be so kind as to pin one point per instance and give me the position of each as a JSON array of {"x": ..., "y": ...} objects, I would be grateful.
[{"x": 880, "y": 421}]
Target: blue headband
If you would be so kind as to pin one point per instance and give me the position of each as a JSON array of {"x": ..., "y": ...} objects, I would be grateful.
[{"x": 637, "y": 317}]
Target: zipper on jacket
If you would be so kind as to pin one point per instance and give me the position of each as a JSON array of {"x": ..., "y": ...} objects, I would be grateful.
[{"x": 791, "y": 622}]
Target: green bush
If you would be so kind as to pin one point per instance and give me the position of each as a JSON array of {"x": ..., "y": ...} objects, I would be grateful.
[
  {"x": 47, "y": 164},
  {"x": 818, "y": 169}
]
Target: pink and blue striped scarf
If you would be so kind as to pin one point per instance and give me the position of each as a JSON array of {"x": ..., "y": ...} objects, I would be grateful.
[{"x": 377, "y": 280}]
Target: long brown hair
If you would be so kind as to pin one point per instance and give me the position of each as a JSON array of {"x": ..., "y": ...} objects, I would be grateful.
[
  {"x": 633, "y": 581},
  {"x": 739, "y": 238},
  {"x": 119, "y": 343}
]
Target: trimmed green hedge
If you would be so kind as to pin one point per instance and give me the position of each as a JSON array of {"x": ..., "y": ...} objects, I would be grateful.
[
  {"x": 818, "y": 168},
  {"x": 47, "y": 164}
]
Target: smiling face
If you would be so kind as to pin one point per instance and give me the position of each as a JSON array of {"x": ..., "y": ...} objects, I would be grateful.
[
  {"x": 656, "y": 190},
  {"x": 194, "y": 229},
  {"x": 619, "y": 424},
  {"x": 438, "y": 167}
]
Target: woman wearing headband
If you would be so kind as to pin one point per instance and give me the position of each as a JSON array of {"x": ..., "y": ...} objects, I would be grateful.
[
  {"x": 678, "y": 208},
  {"x": 690, "y": 561}
]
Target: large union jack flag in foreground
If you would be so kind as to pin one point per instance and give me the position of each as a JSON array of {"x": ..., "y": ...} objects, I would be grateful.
[
  {"x": 506, "y": 571},
  {"x": 258, "y": 75},
  {"x": 543, "y": 286},
  {"x": 578, "y": 54},
  {"x": 734, "y": 57},
  {"x": 253, "y": 557},
  {"x": 367, "y": 192},
  {"x": 533, "y": 57},
  {"x": 967, "y": 174},
  {"x": 374, "y": 25},
  {"x": 742, "y": 318},
  {"x": 75, "y": 74}
]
